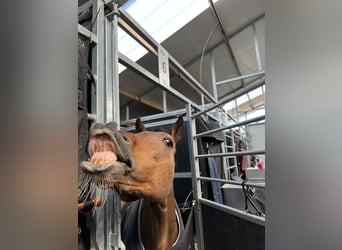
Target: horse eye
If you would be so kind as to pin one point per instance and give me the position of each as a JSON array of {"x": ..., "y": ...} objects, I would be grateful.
[{"x": 168, "y": 142}]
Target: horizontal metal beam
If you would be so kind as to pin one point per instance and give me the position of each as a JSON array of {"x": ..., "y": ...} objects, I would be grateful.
[
  {"x": 259, "y": 118},
  {"x": 252, "y": 152},
  {"x": 247, "y": 183},
  {"x": 91, "y": 117},
  {"x": 149, "y": 118},
  {"x": 262, "y": 73},
  {"x": 233, "y": 211},
  {"x": 87, "y": 33},
  {"x": 231, "y": 97},
  {"x": 179, "y": 175},
  {"x": 85, "y": 7}
]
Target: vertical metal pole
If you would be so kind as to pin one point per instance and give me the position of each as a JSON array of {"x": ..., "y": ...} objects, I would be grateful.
[
  {"x": 202, "y": 101},
  {"x": 127, "y": 112},
  {"x": 98, "y": 68},
  {"x": 196, "y": 183},
  {"x": 256, "y": 46},
  {"x": 109, "y": 65},
  {"x": 236, "y": 109},
  {"x": 100, "y": 60},
  {"x": 213, "y": 80},
  {"x": 116, "y": 95},
  {"x": 113, "y": 114},
  {"x": 213, "y": 76},
  {"x": 164, "y": 102}
]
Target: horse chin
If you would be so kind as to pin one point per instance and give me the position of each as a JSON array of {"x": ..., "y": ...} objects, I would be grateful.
[{"x": 105, "y": 175}]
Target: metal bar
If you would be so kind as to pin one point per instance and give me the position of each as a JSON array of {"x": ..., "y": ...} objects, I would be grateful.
[
  {"x": 140, "y": 39},
  {"x": 236, "y": 109},
  {"x": 112, "y": 111},
  {"x": 91, "y": 117},
  {"x": 152, "y": 78},
  {"x": 127, "y": 112},
  {"x": 213, "y": 80},
  {"x": 126, "y": 17},
  {"x": 179, "y": 175},
  {"x": 233, "y": 211},
  {"x": 256, "y": 46},
  {"x": 100, "y": 61},
  {"x": 251, "y": 152},
  {"x": 213, "y": 76},
  {"x": 232, "y": 96},
  {"x": 262, "y": 73},
  {"x": 164, "y": 101},
  {"x": 196, "y": 184},
  {"x": 84, "y": 11},
  {"x": 156, "y": 116},
  {"x": 87, "y": 33},
  {"x": 109, "y": 77},
  {"x": 115, "y": 70},
  {"x": 259, "y": 118},
  {"x": 247, "y": 183},
  {"x": 85, "y": 7}
]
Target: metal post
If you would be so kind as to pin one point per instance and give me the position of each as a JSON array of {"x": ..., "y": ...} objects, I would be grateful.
[
  {"x": 116, "y": 95},
  {"x": 98, "y": 68},
  {"x": 113, "y": 114},
  {"x": 98, "y": 15},
  {"x": 256, "y": 46},
  {"x": 196, "y": 183},
  {"x": 109, "y": 65},
  {"x": 105, "y": 69},
  {"x": 213, "y": 76},
  {"x": 164, "y": 102},
  {"x": 127, "y": 112},
  {"x": 213, "y": 80}
]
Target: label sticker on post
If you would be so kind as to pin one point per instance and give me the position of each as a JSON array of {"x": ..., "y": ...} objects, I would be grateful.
[{"x": 163, "y": 61}]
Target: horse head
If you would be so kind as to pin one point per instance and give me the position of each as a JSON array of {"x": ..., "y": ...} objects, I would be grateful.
[{"x": 136, "y": 164}]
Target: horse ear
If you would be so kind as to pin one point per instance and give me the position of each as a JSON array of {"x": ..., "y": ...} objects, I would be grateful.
[
  {"x": 139, "y": 126},
  {"x": 177, "y": 128}
]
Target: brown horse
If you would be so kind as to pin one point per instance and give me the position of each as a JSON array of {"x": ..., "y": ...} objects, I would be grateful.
[{"x": 138, "y": 166}]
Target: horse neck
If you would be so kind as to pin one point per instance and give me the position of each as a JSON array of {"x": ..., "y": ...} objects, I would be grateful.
[{"x": 159, "y": 226}]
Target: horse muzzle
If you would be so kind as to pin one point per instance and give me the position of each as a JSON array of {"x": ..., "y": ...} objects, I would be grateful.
[{"x": 108, "y": 151}]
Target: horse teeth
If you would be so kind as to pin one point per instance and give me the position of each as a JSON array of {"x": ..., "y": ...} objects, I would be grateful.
[{"x": 103, "y": 157}]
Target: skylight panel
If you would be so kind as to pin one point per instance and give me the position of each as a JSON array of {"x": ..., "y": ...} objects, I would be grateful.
[
  {"x": 254, "y": 93},
  {"x": 242, "y": 99},
  {"x": 160, "y": 18},
  {"x": 229, "y": 105}
]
